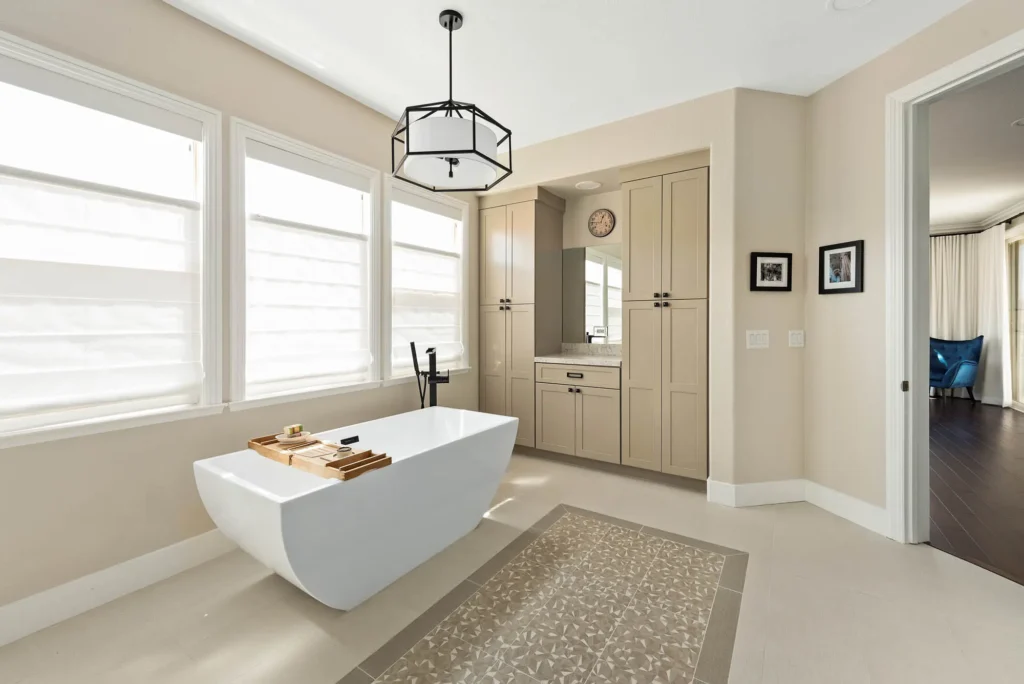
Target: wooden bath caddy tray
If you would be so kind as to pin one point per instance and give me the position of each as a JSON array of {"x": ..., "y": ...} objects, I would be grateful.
[{"x": 320, "y": 458}]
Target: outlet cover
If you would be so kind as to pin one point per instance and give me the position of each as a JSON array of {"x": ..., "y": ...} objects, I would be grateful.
[
  {"x": 757, "y": 339},
  {"x": 796, "y": 338}
]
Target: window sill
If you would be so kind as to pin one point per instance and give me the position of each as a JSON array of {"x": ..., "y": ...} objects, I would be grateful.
[
  {"x": 101, "y": 425},
  {"x": 301, "y": 395},
  {"x": 412, "y": 378}
]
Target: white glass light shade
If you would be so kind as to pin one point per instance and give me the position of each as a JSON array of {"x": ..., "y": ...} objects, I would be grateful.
[{"x": 450, "y": 137}]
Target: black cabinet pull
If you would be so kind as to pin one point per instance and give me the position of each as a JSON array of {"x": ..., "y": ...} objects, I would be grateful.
[
  {"x": 665, "y": 304},
  {"x": 656, "y": 295},
  {"x": 579, "y": 391},
  {"x": 657, "y": 304},
  {"x": 571, "y": 389},
  {"x": 578, "y": 376},
  {"x": 664, "y": 294}
]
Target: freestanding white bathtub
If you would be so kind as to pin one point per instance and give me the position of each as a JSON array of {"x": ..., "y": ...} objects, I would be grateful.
[{"x": 342, "y": 542}]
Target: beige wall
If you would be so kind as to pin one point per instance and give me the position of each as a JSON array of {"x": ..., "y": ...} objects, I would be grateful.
[
  {"x": 122, "y": 494},
  {"x": 845, "y": 357},
  {"x": 575, "y": 231},
  {"x": 770, "y": 161}
]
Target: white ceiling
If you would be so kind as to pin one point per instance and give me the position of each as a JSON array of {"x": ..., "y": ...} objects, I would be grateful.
[
  {"x": 546, "y": 68},
  {"x": 977, "y": 156}
]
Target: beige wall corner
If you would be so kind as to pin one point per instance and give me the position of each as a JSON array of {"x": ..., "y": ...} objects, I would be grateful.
[
  {"x": 575, "y": 232},
  {"x": 844, "y": 399},
  {"x": 122, "y": 494},
  {"x": 770, "y": 179}
]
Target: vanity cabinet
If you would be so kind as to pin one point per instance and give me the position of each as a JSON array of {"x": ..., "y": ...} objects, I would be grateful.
[
  {"x": 665, "y": 236},
  {"x": 578, "y": 420},
  {"x": 520, "y": 299},
  {"x": 664, "y": 387}
]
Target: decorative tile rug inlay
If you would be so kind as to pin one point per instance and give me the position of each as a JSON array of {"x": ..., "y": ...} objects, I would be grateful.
[{"x": 580, "y": 598}]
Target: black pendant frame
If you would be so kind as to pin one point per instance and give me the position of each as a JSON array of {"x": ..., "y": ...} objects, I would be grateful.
[
  {"x": 464, "y": 110},
  {"x": 450, "y": 20}
]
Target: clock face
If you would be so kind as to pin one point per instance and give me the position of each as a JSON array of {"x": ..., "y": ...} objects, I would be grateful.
[{"x": 601, "y": 223}]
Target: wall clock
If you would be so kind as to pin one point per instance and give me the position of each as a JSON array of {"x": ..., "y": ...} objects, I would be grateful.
[{"x": 601, "y": 223}]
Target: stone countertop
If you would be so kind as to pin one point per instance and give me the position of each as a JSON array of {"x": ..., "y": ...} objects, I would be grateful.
[{"x": 582, "y": 360}]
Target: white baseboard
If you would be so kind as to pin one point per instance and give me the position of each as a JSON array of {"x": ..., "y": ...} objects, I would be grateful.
[
  {"x": 63, "y": 602},
  {"x": 874, "y": 518},
  {"x": 845, "y": 506}
]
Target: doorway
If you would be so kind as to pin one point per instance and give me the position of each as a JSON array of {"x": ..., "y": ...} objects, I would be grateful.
[{"x": 910, "y": 497}]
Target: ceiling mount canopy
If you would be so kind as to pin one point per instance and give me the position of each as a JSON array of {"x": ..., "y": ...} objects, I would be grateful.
[{"x": 449, "y": 146}]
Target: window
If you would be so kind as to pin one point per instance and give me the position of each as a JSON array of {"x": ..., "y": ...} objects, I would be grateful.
[
  {"x": 308, "y": 268},
  {"x": 103, "y": 232},
  {"x": 603, "y": 274},
  {"x": 428, "y": 293}
]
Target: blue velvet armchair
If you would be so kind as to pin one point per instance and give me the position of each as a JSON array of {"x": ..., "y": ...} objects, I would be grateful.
[{"x": 954, "y": 364}]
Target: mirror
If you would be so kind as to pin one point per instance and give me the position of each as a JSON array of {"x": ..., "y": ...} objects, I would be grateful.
[{"x": 592, "y": 295}]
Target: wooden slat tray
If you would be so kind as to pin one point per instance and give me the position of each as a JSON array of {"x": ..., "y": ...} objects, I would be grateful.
[{"x": 320, "y": 458}]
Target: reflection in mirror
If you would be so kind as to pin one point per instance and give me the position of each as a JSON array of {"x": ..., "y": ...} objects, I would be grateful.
[{"x": 592, "y": 295}]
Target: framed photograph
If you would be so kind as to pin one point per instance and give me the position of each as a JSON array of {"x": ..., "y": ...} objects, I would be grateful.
[
  {"x": 841, "y": 268},
  {"x": 771, "y": 272}
]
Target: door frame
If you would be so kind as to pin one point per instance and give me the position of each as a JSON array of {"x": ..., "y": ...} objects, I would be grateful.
[{"x": 907, "y": 264}]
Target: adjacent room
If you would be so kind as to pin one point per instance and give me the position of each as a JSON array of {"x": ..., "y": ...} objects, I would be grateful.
[
  {"x": 976, "y": 236},
  {"x": 417, "y": 342}
]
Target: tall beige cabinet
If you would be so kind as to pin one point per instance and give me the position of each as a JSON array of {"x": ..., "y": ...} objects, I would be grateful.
[
  {"x": 665, "y": 317},
  {"x": 520, "y": 299}
]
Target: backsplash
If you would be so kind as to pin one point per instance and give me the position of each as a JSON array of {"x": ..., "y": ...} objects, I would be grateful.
[{"x": 582, "y": 349}]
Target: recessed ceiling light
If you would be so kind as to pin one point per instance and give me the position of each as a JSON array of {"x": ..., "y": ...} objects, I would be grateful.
[
  {"x": 588, "y": 185},
  {"x": 1019, "y": 123},
  {"x": 847, "y": 5}
]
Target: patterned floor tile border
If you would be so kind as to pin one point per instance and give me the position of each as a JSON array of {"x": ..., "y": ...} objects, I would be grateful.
[{"x": 580, "y": 597}]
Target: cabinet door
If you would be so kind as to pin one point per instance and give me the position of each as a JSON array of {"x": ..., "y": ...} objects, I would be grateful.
[
  {"x": 684, "y": 400},
  {"x": 522, "y": 228},
  {"x": 597, "y": 424},
  {"x": 521, "y": 357},
  {"x": 493, "y": 360},
  {"x": 684, "y": 235},
  {"x": 493, "y": 255},
  {"x": 556, "y": 418},
  {"x": 641, "y": 239},
  {"x": 641, "y": 385}
]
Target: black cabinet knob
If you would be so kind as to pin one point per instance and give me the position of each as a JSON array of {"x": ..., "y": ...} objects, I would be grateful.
[
  {"x": 664, "y": 294},
  {"x": 657, "y": 304},
  {"x": 657, "y": 294},
  {"x": 570, "y": 389},
  {"x": 665, "y": 304}
]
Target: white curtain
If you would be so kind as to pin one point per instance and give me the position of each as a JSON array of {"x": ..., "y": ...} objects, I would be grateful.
[
  {"x": 954, "y": 287},
  {"x": 970, "y": 297},
  {"x": 994, "y": 318}
]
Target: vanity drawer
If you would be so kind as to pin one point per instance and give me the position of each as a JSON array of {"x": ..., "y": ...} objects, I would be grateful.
[{"x": 580, "y": 376}]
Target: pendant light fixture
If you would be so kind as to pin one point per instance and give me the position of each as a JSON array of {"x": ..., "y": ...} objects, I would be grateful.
[{"x": 450, "y": 146}]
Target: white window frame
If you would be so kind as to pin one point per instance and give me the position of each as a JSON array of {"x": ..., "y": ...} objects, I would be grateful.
[
  {"x": 211, "y": 399},
  {"x": 385, "y": 281},
  {"x": 241, "y": 131}
]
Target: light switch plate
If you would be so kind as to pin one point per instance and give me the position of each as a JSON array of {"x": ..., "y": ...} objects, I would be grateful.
[
  {"x": 796, "y": 338},
  {"x": 757, "y": 339}
]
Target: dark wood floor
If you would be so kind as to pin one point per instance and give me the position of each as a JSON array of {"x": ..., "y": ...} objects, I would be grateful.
[{"x": 977, "y": 484}]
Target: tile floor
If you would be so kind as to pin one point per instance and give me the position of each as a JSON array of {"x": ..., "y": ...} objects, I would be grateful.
[
  {"x": 579, "y": 598},
  {"x": 824, "y": 602}
]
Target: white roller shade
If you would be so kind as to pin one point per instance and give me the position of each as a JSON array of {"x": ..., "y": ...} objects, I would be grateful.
[
  {"x": 427, "y": 283},
  {"x": 99, "y": 305},
  {"x": 307, "y": 244}
]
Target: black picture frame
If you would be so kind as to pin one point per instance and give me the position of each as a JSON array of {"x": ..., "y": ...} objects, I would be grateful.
[
  {"x": 757, "y": 285},
  {"x": 828, "y": 287}
]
